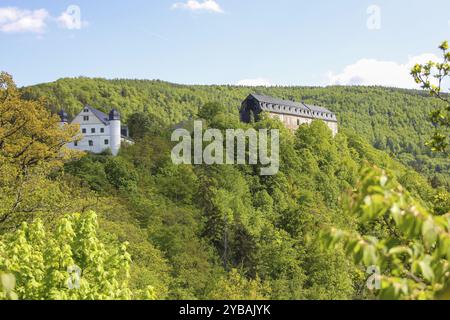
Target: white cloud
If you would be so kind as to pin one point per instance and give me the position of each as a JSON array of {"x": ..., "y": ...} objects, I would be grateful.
[
  {"x": 193, "y": 5},
  {"x": 71, "y": 19},
  {"x": 383, "y": 73},
  {"x": 14, "y": 20},
  {"x": 258, "y": 82}
]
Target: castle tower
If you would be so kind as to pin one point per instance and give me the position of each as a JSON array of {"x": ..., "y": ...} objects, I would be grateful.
[
  {"x": 115, "y": 135},
  {"x": 64, "y": 118}
]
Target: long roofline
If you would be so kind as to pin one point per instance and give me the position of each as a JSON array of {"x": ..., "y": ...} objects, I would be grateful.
[{"x": 276, "y": 105}]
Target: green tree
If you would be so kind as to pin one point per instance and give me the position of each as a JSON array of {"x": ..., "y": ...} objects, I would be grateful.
[
  {"x": 237, "y": 287},
  {"x": 413, "y": 257},
  {"x": 69, "y": 262},
  {"x": 141, "y": 124},
  {"x": 32, "y": 146},
  {"x": 431, "y": 76}
]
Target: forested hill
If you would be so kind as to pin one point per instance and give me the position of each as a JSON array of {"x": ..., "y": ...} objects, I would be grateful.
[
  {"x": 394, "y": 120},
  {"x": 140, "y": 226}
]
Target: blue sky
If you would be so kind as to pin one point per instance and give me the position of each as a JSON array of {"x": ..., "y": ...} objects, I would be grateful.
[{"x": 280, "y": 42}]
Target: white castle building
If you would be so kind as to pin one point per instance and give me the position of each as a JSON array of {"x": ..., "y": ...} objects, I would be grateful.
[{"x": 99, "y": 131}]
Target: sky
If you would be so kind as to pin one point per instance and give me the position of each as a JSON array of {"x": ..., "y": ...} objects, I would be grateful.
[{"x": 244, "y": 42}]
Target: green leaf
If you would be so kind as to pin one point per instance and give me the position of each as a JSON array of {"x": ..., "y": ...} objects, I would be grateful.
[
  {"x": 8, "y": 282},
  {"x": 426, "y": 269},
  {"x": 429, "y": 233},
  {"x": 400, "y": 250},
  {"x": 370, "y": 255}
]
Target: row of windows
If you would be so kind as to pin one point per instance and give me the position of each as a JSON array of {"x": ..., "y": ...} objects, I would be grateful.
[
  {"x": 297, "y": 110},
  {"x": 299, "y": 122},
  {"x": 284, "y": 108},
  {"x": 91, "y": 143},
  {"x": 84, "y": 130}
]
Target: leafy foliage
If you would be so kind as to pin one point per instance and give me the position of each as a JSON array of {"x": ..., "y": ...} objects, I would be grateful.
[
  {"x": 413, "y": 257},
  {"x": 32, "y": 145},
  {"x": 390, "y": 119},
  {"x": 432, "y": 76},
  {"x": 220, "y": 232},
  {"x": 69, "y": 262}
]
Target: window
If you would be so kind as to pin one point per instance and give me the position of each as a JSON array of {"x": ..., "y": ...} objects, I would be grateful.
[
  {"x": 106, "y": 141},
  {"x": 83, "y": 130},
  {"x": 91, "y": 143},
  {"x": 75, "y": 143},
  {"x": 86, "y": 110},
  {"x": 102, "y": 130},
  {"x": 298, "y": 122},
  {"x": 92, "y": 130},
  {"x": 86, "y": 118}
]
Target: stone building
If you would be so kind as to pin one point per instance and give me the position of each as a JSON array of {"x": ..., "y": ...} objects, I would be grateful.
[
  {"x": 292, "y": 114},
  {"x": 99, "y": 131}
]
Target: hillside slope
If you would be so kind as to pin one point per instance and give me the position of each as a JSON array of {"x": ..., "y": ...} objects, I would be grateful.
[
  {"x": 393, "y": 120},
  {"x": 226, "y": 232}
]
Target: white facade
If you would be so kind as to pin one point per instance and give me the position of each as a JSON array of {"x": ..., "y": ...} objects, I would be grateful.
[
  {"x": 115, "y": 136},
  {"x": 99, "y": 131}
]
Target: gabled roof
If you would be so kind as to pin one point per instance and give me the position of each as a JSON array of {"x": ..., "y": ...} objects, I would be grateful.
[
  {"x": 276, "y": 105},
  {"x": 100, "y": 115}
]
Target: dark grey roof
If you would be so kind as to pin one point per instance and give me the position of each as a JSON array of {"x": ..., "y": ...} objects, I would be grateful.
[
  {"x": 100, "y": 115},
  {"x": 63, "y": 116},
  {"x": 275, "y": 101},
  {"x": 276, "y": 105},
  {"x": 114, "y": 115}
]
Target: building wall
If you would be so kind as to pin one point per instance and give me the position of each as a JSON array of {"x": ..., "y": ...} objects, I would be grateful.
[
  {"x": 293, "y": 122},
  {"x": 333, "y": 126},
  {"x": 98, "y": 138},
  {"x": 115, "y": 135}
]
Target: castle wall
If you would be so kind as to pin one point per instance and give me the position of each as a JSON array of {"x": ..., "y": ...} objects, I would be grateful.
[{"x": 293, "y": 122}]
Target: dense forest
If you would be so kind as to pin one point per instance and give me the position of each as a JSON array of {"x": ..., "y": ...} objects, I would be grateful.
[
  {"x": 392, "y": 120},
  {"x": 141, "y": 227}
]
